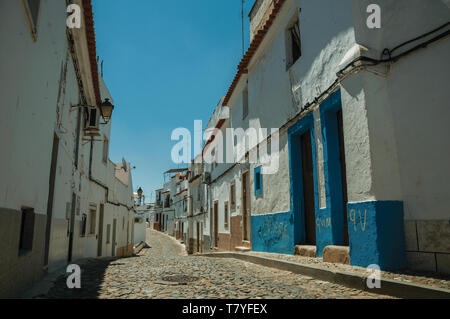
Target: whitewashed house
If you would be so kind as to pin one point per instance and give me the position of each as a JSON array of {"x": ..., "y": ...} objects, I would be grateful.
[
  {"x": 56, "y": 178},
  {"x": 360, "y": 114},
  {"x": 197, "y": 208}
]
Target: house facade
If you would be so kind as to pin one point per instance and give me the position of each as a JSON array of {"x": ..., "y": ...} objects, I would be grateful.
[
  {"x": 63, "y": 199},
  {"x": 348, "y": 171},
  {"x": 351, "y": 119}
]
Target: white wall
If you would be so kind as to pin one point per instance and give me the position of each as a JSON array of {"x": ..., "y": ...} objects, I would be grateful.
[
  {"x": 407, "y": 116},
  {"x": 276, "y": 94},
  {"x": 28, "y": 104}
]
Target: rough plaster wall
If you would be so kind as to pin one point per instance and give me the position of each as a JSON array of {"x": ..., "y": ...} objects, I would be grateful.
[
  {"x": 422, "y": 137},
  {"x": 403, "y": 20},
  {"x": 270, "y": 85},
  {"x": 29, "y": 92},
  {"x": 415, "y": 96},
  {"x": 275, "y": 195},
  {"x": 221, "y": 193},
  {"x": 140, "y": 230},
  {"x": 384, "y": 158},
  {"x": 356, "y": 141},
  {"x": 319, "y": 159},
  {"x": 67, "y": 180}
]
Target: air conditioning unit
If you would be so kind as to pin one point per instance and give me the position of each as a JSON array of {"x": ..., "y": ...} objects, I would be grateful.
[{"x": 206, "y": 178}]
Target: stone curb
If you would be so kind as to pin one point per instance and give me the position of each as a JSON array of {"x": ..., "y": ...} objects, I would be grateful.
[{"x": 388, "y": 287}]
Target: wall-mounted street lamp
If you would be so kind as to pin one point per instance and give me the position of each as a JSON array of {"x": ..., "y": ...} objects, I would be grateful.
[{"x": 106, "y": 108}]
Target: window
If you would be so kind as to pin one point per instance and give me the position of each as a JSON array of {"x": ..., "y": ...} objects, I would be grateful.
[
  {"x": 233, "y": 196},
  {"x": 293, "y": 42},
  {"x": 226, "y": 215},
  {"x": 83, "y": 225},
  {"x": 258, "y": 181},
  {"x": 213, "y": 159},
  {"x": 167, "y": 201},
  {"x": 108, "y": 233},
  {"x": 92, "y": 221},
  {"x": 199, "y": 191},
  {"x": 32, "y": 12},
  {"x": 105, "y": 150},
  {"x": 26, "y": 231},
  {"x": 245, "y": 103},
  {"x": 184, "y": 205},
  {"x": 78, "y": 206}
]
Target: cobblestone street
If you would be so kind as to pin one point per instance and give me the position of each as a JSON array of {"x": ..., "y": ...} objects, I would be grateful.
[{"x": 163, "y": 271}]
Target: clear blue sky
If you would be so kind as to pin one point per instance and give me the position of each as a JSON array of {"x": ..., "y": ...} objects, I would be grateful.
[{"x": 166, "y": 64}]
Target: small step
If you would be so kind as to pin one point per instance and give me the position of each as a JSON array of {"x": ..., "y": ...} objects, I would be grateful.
[
  {"x": 305, "y": 250},
  {"x": 337, "y": 254},
  {"x": 242, "y": 249}
]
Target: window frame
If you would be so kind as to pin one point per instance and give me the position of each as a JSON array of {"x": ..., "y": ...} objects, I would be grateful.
[
  {"x": 226, "y": 215},
  {"x": 245, "y": 103},
  {"x": 83, "y": 228},
  {"x": 105, "y": 153},
  {"x": 108, "y": 234},
  {"x": 294, "y": 22},
  {"x": 258, "y": 181},
  {"x": 92, "y": 222},
  {"x": 233, "y": 196}
]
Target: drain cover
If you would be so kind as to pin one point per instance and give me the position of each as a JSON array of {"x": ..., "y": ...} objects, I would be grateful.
[{"x": 180, "y": 279}]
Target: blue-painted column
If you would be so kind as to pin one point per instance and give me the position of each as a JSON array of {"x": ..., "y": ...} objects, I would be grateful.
[
  {"x": 376, "y": 234},
  {"x": 331, "y": 219}
]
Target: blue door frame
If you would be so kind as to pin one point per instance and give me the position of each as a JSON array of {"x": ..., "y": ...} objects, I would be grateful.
[
  {"x": 333, "y": 234},
  {"x": 303, "y": 126}
]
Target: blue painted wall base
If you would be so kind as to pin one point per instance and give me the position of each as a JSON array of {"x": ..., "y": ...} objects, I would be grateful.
[
  {"x": 324, "y": 230},
  {"x": 376, "y": 234},
  {"x": 273, "y": 233}
]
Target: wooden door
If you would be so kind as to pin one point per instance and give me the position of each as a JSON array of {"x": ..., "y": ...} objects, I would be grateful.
[
  {"x": 198, "y": 237},
  {"x": 245, "y": 205},
  {"x": 343, "y": 173},
  {"x": 216, "y": 224},
  {"x": 308, "y": 189},
  {"x": 113, "y": 253},
  {"x": 100, "y": 231}
]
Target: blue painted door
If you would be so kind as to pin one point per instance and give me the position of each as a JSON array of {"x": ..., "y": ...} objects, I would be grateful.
[
  {"x": 308, "y": 189},
  {"x": 343, "y": 173}
]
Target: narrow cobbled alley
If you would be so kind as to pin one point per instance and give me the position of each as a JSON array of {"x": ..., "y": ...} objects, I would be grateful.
[{"x": 163, "y": 271}]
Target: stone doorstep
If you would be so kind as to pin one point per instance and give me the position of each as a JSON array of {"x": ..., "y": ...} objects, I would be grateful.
[
  {"x": 139, "y": 247},
  {"x": 305, "y": 250},
  {"x": 242, "y": 248},
  {"x": 388, "y": 287},
  {"x": 337, "y": 254}
]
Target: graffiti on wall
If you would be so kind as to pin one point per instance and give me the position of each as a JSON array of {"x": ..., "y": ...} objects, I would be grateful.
[
  {"x": 322, "y": 223},
  {"x": 358, "y": 218},
  {"x": 272, "y": 232}
]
